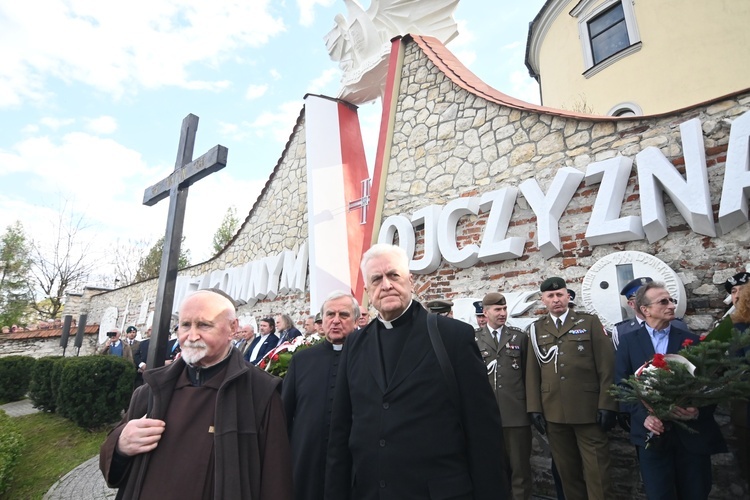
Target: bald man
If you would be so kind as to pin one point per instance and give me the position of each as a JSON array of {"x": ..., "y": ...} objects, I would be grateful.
[{"x": 208, "y": 425}]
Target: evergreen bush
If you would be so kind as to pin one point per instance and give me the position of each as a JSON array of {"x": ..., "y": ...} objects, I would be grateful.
[
  {"x": 42, "y": 388},
  {"x": 15, "y": 374},
  {"x": 11, "y": 444},
  {"x": 94, "y": 390}
]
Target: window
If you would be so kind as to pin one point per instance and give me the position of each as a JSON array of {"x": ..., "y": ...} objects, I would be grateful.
[
  {"x": 625, "y": 109},
  {"x": 608, "y": 33}
]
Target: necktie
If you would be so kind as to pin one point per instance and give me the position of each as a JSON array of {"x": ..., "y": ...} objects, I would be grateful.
[
  {"x": 558, "y": 324},
  {"x": 495, "y": 337}
]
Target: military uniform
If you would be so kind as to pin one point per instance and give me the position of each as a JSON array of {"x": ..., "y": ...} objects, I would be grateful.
[
  {"x": 506, "y": 362},
  {"x": 568, "y": 384}
]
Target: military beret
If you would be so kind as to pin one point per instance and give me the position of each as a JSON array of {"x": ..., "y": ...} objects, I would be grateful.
[
  {"x": 131, "y": 329},
  {"x": 572, "y": 296},
  {"x": 632, "y": 287},
  {"x": 493, "y": 299},
  {"x": 555, "y": 283},
  {"x": 439, "y": 306},
  {"x": 318, "y": 318},
  {"x": 478, "y": 308},
  {"x": 738, "y": 279}
]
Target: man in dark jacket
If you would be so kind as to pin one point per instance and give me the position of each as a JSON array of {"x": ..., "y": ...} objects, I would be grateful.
[
  {"x": 308, "y": 395},
  {"x": 207, "y": 426},
  {"x": 404, "y": 424},
  {"x": 678, "y": 465}
]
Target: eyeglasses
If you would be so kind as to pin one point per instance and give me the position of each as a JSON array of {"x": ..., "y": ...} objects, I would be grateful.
[{"x": 664, "y": 302}]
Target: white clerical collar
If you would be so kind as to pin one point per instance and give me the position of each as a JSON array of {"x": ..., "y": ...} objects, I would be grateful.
[
  {"x": 389, "y": 324},
  {"x": 337, "y": 347}
]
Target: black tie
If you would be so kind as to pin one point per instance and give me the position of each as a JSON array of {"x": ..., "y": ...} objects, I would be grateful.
[
  {"x": 495, "y": 337},
  {"x": 558, "y": 324}
]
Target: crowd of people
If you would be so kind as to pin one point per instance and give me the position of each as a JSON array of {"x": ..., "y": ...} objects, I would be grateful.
[{"x": 411, "y": 404}]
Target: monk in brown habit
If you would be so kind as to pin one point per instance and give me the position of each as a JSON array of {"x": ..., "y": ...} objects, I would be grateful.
[{"x": 208, "y": 426}]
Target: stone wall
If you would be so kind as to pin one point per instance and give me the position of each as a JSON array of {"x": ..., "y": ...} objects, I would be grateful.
[{"x": 50, "y": 346}]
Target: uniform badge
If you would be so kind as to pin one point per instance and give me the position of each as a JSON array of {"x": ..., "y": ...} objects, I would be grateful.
[
  {"x": 580, "y": 347},
  {"x": 577, "y": 332},
  {"x": 485, "y": 354},
  {"x": 515, "y": 364}
]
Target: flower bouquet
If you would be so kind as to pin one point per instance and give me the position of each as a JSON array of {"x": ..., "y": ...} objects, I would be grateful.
[
  {"x": 707, "y": 373},
  {"x": 276, "y": 361}
]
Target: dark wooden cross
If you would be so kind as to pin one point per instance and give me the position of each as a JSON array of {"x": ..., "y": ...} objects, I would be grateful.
[
  {"x": 362, "y": 202},
  {"x": 186, "y": 172}
]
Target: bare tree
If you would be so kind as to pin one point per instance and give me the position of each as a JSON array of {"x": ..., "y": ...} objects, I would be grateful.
[
  {"x": 62, "y": 264},
  {"x": 126, "y": 259}
]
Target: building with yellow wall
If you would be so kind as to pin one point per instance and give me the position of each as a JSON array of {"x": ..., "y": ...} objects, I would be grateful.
[{"x": 621, "y": 57}]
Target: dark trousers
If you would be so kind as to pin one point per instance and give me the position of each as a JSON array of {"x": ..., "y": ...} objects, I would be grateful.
[{"x": 671, "y": 472}]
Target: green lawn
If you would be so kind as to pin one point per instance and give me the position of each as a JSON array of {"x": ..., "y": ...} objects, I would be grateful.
[{"x": 53, "y": 447}]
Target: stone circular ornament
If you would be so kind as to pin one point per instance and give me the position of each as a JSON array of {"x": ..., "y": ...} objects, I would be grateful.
[{"x": 616, "y": 270}]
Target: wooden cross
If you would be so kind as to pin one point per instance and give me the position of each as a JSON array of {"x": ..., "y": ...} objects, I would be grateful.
[
  {"x": 362, "y": 202},
  {"x": 186, "y": 172}
]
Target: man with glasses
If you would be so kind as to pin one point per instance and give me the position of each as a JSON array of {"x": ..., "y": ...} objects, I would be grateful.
[
  {"x": 678, "y": 464},
  {"x": 630, "y": 325}
]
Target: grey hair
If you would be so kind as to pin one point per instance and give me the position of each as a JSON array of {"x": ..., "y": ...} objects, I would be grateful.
[
  {"x": 288, "y": 320},
  {"x": 380, "y": 249},
  {"x": 337, "y": 295},
  {"x": 640, "y": 295}
]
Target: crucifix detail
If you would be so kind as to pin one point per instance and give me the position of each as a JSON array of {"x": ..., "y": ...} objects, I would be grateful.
[
  {"x": 186, "y": 172},
  {"x": 362, "y": 202}
]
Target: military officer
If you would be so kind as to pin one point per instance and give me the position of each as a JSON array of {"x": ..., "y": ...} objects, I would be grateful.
[
  {"x": 733, "y": 285},
  {"x": 504, "y": 350},
  {"x": 479, "y": 310},
  {"x": 441, "y": 307},
  {"x": 567, "y": 392}
]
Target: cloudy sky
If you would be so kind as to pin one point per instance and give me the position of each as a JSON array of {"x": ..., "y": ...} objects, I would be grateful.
[{"x": 93, "y": 93}]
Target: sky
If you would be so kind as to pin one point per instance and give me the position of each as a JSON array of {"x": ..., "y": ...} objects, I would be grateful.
[{"x": 93, "y": 94}]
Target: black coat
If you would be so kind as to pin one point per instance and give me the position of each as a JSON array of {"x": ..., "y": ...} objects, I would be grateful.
[
  {"x": 408, "y": 439},
  {"x": 308, "y": 398}
]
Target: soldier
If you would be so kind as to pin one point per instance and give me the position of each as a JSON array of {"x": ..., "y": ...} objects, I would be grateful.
[
  {"x": 630, "y": 324},
  {"x": 733, "y": 285},
  {"x": 441, "y": 307},
  {"x": 481, "y": 318},
  {"x": 504, "y": 351},
  {"x": 567, "y": 392}
]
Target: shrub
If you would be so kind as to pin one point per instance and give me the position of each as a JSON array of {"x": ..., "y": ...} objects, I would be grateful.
[
  {"x": 10, "y": 449},
  {"x": 15, "y": 374},
  {"x": 42, "y": 388},
  {"x": 94, "y": 390}
]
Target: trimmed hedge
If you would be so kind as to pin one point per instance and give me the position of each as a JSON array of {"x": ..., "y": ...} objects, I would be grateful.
[
  {"x": 94, "y": 390},
  {"x": 11, "y": 444},
  {"x": 15, "y": 374},
  {"x": 43, "y": 385}
]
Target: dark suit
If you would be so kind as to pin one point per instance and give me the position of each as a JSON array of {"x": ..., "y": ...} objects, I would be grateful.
[
  {"x": 506, "y": 364},
  {"x": 569, "y": 391},
  {"x": 308, "y": 399},
  {"x": 680, "y": 465},
  {"x": 268, "y": 343},
  {"x": 288, "y": 334},
  {"x": 405, "y": 436}
]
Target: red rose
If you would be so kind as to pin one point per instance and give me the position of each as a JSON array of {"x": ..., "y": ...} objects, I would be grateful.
[
  {"x": 262, "y": 365},
  {"x": 687, "y": 342},
  {"x": 659, "y": 362},
  {"x": 275, "y": 357}
]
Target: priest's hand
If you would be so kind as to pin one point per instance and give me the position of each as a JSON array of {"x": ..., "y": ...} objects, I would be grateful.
[{"x": 140, "y": 436}]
